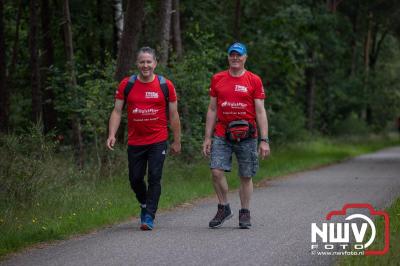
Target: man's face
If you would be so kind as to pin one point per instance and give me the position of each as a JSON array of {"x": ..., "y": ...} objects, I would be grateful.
[
  {"x": 146, "y": 64},
  {"x": 236, "y": 60}
]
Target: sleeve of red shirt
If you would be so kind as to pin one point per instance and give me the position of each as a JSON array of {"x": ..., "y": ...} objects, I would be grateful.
[
  {"x": 212, "y": 91},
  {"x": 172, "y": 92},
  {"x": 119, "y": 94},
  {"x": 259, "y": 92}
]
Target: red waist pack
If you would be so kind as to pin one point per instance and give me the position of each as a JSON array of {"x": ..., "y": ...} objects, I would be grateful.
[{"x": 239, "y": 130}]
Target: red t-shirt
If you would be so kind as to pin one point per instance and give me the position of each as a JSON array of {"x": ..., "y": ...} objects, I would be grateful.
[
  {"x": 235, "y": 98},
  {"x": 146, "y": 107}
]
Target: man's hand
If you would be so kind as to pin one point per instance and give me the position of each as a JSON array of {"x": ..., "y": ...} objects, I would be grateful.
[
  {"x": 175, "y": 148},
  {"x": 264, "y": 150},
  {"x": 207, "y": 147},
  {"x": 113, "y": 124},
  {"x": 110, "y": 142}
]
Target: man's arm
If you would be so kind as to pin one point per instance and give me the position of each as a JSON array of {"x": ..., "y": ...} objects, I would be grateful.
[
  {"x": 262, "y": 122},
  {"x": 210, "y": 125},
  {"x": 113, "y": 124},
  {"x": 175, "y": 123}
]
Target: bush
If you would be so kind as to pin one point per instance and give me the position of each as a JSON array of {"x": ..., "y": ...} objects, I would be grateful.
[
  {"x": 286, "y": 124},
  {"x": 22, "y": 168},
  {"x": 350, "y": 126},
  {"x": 35, "y": 165}
]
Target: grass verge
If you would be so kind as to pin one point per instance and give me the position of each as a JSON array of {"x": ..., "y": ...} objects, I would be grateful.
[{"x": 90, "y": 203}]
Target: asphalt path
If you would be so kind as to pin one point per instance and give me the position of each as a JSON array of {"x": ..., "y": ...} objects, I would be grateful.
[{"x": 282, "y": 212}]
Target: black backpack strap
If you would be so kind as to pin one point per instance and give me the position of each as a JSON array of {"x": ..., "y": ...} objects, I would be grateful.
[
  {"x": 165, "y": 90},
  {"x": 129, "y": 87}
]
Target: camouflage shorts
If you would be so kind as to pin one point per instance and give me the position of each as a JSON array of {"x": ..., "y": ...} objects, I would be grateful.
[{"x": 245, "y": 151}]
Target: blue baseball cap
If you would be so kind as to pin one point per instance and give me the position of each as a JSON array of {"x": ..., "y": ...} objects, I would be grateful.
[{"x": 237, "y": 47}]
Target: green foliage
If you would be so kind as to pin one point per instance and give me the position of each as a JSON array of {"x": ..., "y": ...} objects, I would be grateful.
[
  {"x": 384, "y": 104},
  {"x": 191, "y": 76},
  {"x": 287, "y": 124},
  {"x": 97, "y": 90},
  {"x": 384, "y": 89},
  {"x": 282, "y": 37},
  {"x": 91, "y": 99},
  {"x": 22, "y": 169},
  {"x": 216, "y": 20},
  {"x": 35, "y": 164},
  {"x": 20, "y": 112},
  {"x": 283, "y": 55},
  {"x": 350, "y": 126}
]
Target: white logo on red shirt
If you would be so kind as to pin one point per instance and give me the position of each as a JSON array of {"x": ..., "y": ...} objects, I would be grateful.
[
  {"x": 240, "y": 88},
  {"x": 238, "y": 105},
  {"x": 151, "y": 95},
  {"x": 150, "y": 111}
]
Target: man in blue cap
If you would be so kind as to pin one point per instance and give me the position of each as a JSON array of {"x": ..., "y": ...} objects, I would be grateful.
[{"x": 235, "y": 113}]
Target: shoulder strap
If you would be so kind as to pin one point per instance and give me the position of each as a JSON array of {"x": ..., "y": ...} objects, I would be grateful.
[
  {"x": 129, "y": 87},
  {"x": 165, "y": 90},
  {"x": 164, "y": 87}
]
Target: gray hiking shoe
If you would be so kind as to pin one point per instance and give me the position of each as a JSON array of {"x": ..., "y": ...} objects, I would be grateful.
[
  {"x": 244, "y": 219},
  {"x": 224, "y": 213}
]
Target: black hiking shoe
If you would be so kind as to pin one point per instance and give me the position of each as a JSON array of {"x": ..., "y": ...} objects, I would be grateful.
[
  {"x": 244, "y": 219},
  {"x": 223, "y": 214}
]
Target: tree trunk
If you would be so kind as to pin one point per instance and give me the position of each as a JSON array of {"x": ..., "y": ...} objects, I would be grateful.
[
  {"x": 16, "y": 42},
  {"x": 4, "y": 92},
  {"x": 118, "y": 24},
  {"x": 176, "y": 29},
  {"x": 166, "y": 7},
  {"x": 353, "y": 19},
  {"x": 330, "y": 5},
  {"x": 102, "y": 40},
  {"x": 367, "y": 46},
  {"x": 130, "y": 38},
  {"x": 376, "y": 46},
  {"x": 310, "y": 92},
  {"x": 236, "y": 25},
  {"x": 34, "y": 62},
  {"x": 49, "y": 113},
  {"x": 69, "y": 50}
]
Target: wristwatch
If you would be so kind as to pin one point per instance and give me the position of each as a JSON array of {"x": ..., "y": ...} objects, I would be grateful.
[{"x": 265, "y": 140}]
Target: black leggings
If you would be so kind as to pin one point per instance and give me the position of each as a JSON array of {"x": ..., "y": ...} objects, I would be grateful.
[{"x": 139, "y": 158}]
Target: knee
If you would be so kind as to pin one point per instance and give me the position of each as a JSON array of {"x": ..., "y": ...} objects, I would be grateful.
[
  {"x": 154, "y": 182},
  {"x": 217, "y": 174},
  {"x": 246, "y": 181}
]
